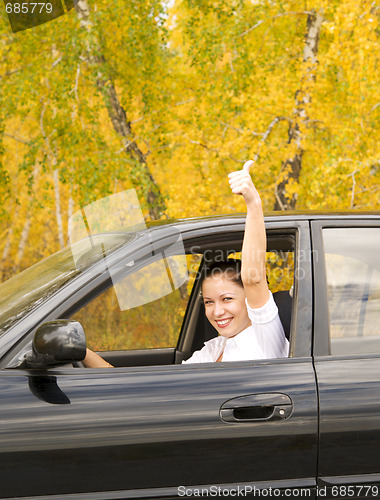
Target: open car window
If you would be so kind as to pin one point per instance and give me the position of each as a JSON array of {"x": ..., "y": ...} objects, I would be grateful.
[
  {"x": 144, "y": 310},
  {"x": 157, "y": 306},
  {"x": 280, "y": 259}
]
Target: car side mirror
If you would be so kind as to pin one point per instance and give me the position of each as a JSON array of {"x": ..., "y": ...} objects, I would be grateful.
[{"x": 55, "y": 343}]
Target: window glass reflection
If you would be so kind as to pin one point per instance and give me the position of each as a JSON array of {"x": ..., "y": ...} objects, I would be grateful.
[{"x": 353, "y": 288}]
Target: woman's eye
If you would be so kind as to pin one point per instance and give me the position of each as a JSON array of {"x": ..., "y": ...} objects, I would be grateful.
[
  {"x": 227, "y": 298},
  {"x": 207, "y": 302}
]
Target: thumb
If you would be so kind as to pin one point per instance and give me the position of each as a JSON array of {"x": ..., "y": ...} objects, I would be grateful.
[{"x": 247, "y": 165}]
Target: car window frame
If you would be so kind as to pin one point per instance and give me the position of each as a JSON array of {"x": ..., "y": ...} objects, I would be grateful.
[
  {"x": 302, "y": 319},
  {"x": 321, "y": 342},
  {"x": 61, "y": 304},
  {"x": 300, "y": 337}
]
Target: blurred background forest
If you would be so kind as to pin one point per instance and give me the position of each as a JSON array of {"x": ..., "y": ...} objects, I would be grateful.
[{"x": 170, "y": 97}]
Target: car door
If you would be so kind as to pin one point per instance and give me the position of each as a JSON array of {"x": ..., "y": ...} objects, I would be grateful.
[
  {"x": 347, "y": 354},
  {"x": 171, "y": 430}
]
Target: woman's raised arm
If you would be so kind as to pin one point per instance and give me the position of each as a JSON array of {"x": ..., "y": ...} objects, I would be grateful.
[{"x": 254, "y": 244}]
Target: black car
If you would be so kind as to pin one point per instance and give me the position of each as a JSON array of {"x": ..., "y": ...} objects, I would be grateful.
[{"x": 303, "y": 426}]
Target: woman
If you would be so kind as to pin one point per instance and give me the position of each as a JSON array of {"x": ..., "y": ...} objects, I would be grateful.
[{"x": 237, "y": 301}]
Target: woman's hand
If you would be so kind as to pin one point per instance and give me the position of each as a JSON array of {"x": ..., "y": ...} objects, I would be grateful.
[
  {"x": 93, "y": 360},
  {"x": 241, "y": 183}
]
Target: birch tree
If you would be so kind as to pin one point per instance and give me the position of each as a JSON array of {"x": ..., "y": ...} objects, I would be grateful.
[
  {"x": 170, "y": 101},
  {"x": 118, "y": 116},
  {"x": 292, "y": 165}
]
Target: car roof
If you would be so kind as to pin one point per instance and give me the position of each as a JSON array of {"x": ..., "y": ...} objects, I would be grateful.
[
  {"x": 324, "y": 214},
  {"x": 292, "y": 215}
]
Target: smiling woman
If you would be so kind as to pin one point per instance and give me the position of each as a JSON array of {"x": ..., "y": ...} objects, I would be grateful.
[
  {"x": 245, "y": 333},
  {"x": 237, "y": 300},
  {"x": 224, "y": 298}
]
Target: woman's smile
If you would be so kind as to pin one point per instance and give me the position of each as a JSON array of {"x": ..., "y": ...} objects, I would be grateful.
[
  {"x": 225, "y": 305},
  {"x": 222, "y": 323}
]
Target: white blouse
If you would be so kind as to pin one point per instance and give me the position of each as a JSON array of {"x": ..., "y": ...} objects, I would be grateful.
[{"x": 264, "y": 339}]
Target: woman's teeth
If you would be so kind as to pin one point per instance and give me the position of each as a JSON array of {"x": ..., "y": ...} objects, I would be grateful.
[{"x": 223, "y": 322}]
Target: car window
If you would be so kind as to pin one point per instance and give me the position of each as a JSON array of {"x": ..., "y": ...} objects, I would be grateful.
[
  {"x": 25, "y": 291},
  {"x": 145, "y": 309},
  {"x": 279, "y": 268},
  {"x": 353, "y": 289},
  {"x": 280, "y": 262}
]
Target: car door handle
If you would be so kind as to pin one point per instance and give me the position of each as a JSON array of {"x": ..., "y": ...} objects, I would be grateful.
[{"x": 257, "y": 408}]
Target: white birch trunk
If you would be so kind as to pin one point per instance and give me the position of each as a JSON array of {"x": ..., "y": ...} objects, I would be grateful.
[
  {"x": 27, "y": 224},
  {"x": 70, "y": 212},
  {"x": 58, "y": 211},
  {"x": 117, "y": 113},
  {"x": 22, "y": 243},
  {"x": 5, "y": 274},
  {"x": 291, "y": 167}
]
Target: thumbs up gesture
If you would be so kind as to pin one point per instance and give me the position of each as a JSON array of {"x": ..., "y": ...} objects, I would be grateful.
[{"x": 241, "y": 183}]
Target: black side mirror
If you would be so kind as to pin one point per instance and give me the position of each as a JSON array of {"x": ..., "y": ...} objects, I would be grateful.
[{"x": 55, "y": 343}]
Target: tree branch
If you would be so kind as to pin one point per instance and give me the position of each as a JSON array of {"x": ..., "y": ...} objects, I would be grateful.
[
  {"x": 19, "y": 139},
  {"x": 203, "y": 145},
  {"x": 266, "y": 134},
  {"x": 57, "y": 61},
  {"x": 75, "y": 89},
  {"x": 353, "y": 187},
  {"x": 9, "y": 73},
  {"x": 250, "y": 29},
  {"x": 278, "y": 199},
  {"x": 240, "y": 130},
  {"x": 299, "y": 13},
  {"x": 236, "y": 160}
]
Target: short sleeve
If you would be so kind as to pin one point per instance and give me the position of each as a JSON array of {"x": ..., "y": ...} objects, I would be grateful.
[
  {"x": 263, "y": 314},
  {"x": 268, "y": 329}
]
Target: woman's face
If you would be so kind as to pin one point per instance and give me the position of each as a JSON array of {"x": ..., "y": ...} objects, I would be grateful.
[{"x": 225, "y": 305}]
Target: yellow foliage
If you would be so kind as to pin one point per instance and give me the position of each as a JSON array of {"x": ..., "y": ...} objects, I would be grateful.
[{"x": 204, "y": 86}]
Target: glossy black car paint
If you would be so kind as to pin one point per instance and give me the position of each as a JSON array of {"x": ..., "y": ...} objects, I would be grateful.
[
  {"x": 158, "y": 427},
  {"x": 141, "y": 432}
]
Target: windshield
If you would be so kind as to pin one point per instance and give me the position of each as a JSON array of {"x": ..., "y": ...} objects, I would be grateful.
[{"x": 25, "y": 291}]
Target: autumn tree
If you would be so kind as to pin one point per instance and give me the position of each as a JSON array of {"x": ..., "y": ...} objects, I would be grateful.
[
  {"x": 284, "y": 84},
  {"x": 170, "y": 99},
  {"x": 66, "y": 117},
  {"x": 291, "y": 167}
]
